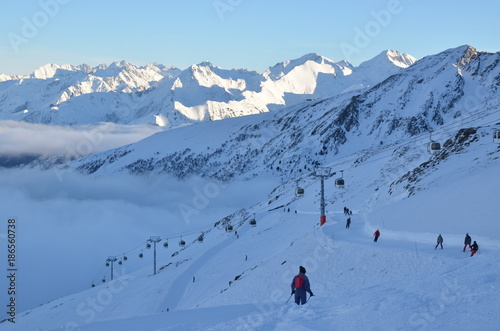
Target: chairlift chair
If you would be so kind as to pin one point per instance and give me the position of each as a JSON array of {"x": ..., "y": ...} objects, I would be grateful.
[
  {"x": 182, "y": 243},
  {"x": 200, "y": 238},
  {"x": 299, "y": 191},
  {"x": 339, "y": 182},
  {"x": 165, "y": 244},
  {"x": 253, "y": 222},
  {"x": 434, "y": 147},
  {"x": 229, "y": 228},
  {"x": 496, "y": 137}
]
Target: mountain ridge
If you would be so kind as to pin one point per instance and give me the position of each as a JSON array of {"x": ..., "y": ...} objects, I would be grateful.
[
  {"x": 127, "y": 94},
  {"x": 421, "y": 103}
]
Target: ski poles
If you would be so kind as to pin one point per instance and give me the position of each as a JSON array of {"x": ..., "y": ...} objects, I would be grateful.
[{"x": 288, "y": 298}]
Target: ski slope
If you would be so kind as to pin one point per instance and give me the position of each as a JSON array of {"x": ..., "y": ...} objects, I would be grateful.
[{"x": 398, "y": 283}]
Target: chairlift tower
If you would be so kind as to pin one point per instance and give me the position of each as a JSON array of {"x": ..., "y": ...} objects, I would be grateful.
[
  {"x": 322, "y": 173},
  {"x": 154, "y": 240},
  {"x": 110, "y": 260}
]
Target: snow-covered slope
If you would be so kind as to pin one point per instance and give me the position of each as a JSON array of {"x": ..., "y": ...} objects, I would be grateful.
[
  {"x": 128, "y": 94},
  {"x": 242, "y": 281}
]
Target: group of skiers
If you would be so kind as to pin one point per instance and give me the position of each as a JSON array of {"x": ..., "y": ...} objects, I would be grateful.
[{"x": 467, "y": 242}]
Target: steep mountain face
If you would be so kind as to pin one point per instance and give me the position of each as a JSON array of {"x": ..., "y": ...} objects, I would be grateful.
[
  {"x": 432, "y": 100},
  {"x": 154, "y": 94}
]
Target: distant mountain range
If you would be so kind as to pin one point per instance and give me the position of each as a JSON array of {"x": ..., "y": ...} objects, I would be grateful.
[
  {"x": 434, "y": 99},
  {"x": 155, "y": 94}
]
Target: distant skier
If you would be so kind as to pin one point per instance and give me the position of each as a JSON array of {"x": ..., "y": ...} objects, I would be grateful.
[
  {"x": 467, "y": 241},
  {"x": 473, "y": 248},
  {"x": 376, "y": 235},
  {"x": 439, "y": 242},
  {"x": 300, "y": 286},
  {"x": 193, "y": 279},
  {"x": 348, "y": 223}
]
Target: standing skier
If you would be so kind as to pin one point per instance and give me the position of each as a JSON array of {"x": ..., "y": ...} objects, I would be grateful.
[
  {"x": 467, "y": 241},
  {"x": 348, "y": 223},
  {"x": 376, "y": 235},
  {"x": 439, "y": 242},
  {"x": 300, "y": 285},
  {"x": 473, "y": 248}
]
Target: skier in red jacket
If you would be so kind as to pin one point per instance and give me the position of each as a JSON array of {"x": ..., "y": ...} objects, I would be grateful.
[
  {"x": 376, "y": 235},
  {"x": 300, "y": 285}
]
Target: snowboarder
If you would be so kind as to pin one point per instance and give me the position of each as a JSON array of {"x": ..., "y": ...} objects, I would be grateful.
[
  {"x": 348, "y": 223},
  {"x": 300, "y": 285},
  {"x": 467, "y": 241},
  {"x": 376, "y": 235},
  {"x": 473, "y": 249},
  {"x": 439, "y": 242}
]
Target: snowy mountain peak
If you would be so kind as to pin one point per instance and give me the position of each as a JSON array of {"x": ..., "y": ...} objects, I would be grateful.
[
  {"x": 205, "y": 63},
  {"x": 283, "y": 68},
  {"x": 469, "y": 53},
  {"x": 402, "y": 60},
  {"x": 49, "y": 70},
  {"x": 390, "y": 58}
]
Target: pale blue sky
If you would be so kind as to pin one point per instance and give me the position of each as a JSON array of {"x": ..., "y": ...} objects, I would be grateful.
[{"x": 250, "y": 34}]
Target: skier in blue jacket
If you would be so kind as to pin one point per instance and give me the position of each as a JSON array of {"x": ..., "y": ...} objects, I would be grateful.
[{"x": 300, "y": 286}]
